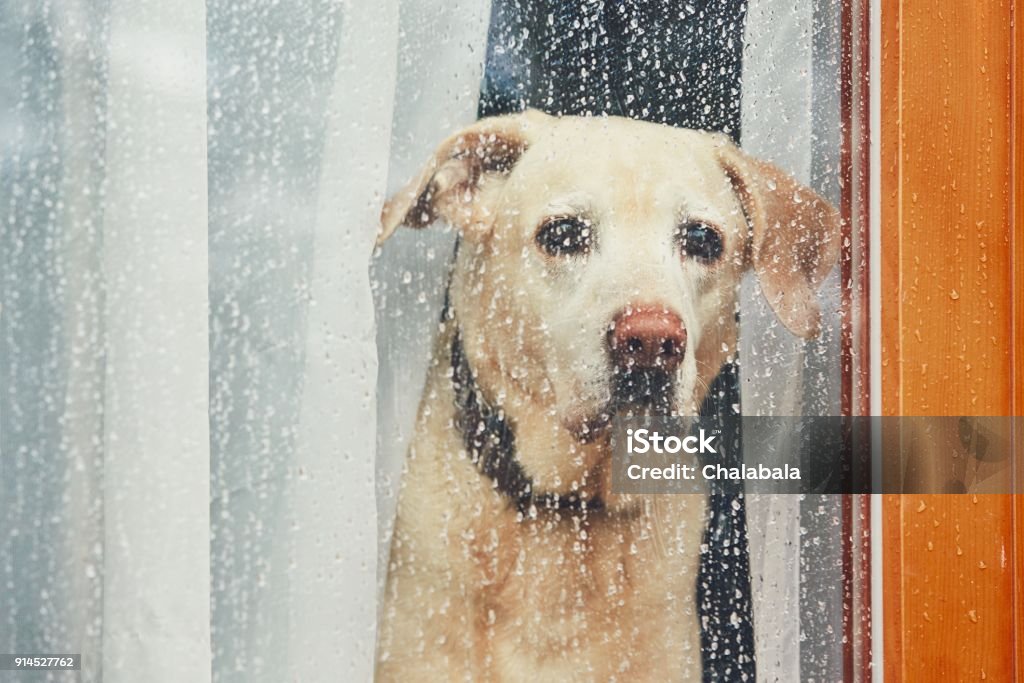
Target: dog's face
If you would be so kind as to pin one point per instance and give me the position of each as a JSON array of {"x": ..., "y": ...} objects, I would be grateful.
[{"x": 600, "y": 259}]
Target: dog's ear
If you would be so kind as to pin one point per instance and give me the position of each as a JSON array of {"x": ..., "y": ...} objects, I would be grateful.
[
  {"x": 447, "y": 185},
  {"x": 794, "y": 237}
]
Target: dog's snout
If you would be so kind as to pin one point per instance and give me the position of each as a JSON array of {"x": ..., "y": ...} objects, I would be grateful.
[{"x": 647, "y": 337}]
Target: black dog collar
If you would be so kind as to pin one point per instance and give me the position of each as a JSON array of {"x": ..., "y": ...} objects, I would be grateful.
[{"x": 491, "y": 443}]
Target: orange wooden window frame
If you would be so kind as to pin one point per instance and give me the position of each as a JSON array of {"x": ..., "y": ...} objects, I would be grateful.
[{"x": 952, "y": 262}]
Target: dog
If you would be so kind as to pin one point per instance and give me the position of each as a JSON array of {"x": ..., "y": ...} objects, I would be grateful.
[{"x": 596, "y": 275}]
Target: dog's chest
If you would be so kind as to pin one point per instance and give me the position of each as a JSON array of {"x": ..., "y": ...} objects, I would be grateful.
[{"x": 600, "y": 600}]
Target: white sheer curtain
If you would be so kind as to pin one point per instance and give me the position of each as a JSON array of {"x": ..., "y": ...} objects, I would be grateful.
[
  {"x": 790, "y": 117},
  {"x": 156, "y": 459},
  {"x": 776, "y": 110},
  {"x": 117, "y": 388},
  {"x": 332, "y": 518}
]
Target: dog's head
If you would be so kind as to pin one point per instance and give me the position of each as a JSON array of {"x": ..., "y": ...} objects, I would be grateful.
[{"x": 601, "y": 257}]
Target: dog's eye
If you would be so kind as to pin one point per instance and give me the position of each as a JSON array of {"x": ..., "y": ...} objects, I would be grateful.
[
  {"x": 700, "y": 241},
  {"x": 566, "y": 236}
]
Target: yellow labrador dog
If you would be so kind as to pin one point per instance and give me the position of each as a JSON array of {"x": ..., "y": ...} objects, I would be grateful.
[{"x": 596, "y": 274}]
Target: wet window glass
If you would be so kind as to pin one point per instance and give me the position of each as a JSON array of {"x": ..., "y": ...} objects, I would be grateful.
[{"x": 319, "y": 323}]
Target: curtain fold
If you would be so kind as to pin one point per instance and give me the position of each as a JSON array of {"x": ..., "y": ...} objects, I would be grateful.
[
  {"x": 156, "y": 469},
  {"x": 83, "y": 60},
  {"x": 776, "y": 109},
  {"x": 332, "y": 518},
  {"x": 791, "y": 117}
]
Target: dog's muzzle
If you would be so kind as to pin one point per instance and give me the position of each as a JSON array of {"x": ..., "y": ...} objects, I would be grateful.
[{"x": 646, "y": 345}]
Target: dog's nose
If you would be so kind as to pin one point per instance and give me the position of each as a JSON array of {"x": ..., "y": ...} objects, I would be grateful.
[{"x": 647, "y": 337}]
